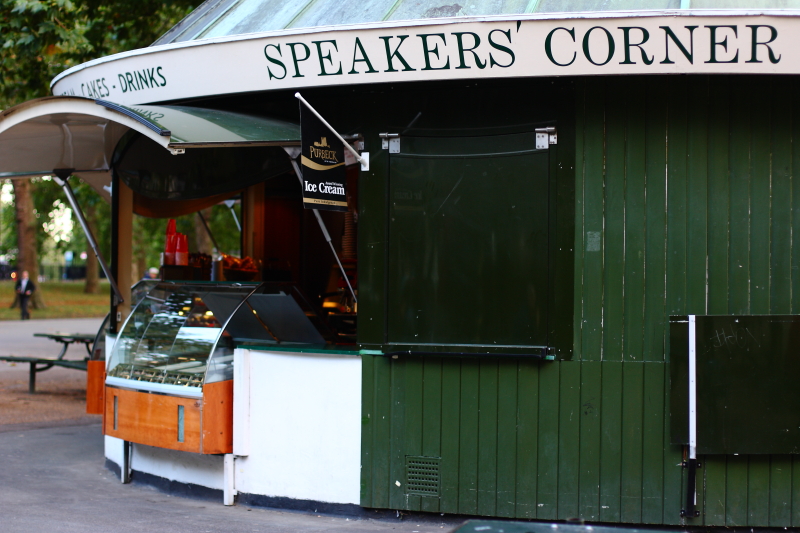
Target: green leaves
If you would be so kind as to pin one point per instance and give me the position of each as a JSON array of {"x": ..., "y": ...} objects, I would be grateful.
[{"x": 41, "y": 38}]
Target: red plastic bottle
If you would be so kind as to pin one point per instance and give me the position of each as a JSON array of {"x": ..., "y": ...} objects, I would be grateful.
[{"x": 182, "y": 250}]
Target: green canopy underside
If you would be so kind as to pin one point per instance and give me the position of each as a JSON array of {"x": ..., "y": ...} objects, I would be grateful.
[{"x": 189, "y": 127}]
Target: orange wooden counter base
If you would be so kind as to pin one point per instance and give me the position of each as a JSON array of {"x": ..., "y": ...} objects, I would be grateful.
[{"x": 187, "y": 424}]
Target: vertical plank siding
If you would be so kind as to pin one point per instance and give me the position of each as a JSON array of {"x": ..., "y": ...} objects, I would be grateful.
[{"x": 689, "y": 180}]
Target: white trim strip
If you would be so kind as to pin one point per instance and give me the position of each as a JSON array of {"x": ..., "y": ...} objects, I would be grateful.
[{"x": 146, "y": 386}]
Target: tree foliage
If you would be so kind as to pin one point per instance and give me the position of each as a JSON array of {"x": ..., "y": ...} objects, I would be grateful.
[{"x": 41, "y": 38}]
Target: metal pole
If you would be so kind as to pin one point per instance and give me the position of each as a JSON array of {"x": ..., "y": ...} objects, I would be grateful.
[
  {"x": 692, "y": 387},
  {"x": 355, "y": 153},
  {"x": 208, "y": 230},
  {"x": 230, "y": 204},
  {"x": 325, "y": 232},
  {"x": 61, "y": 180},
  {"x": 690, "y": 511}
]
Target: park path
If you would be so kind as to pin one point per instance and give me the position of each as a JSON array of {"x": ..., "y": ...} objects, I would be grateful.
[{"x": 53, "y": 475}]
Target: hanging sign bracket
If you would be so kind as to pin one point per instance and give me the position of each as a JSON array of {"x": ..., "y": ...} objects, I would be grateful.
[{"x": 361, "y": 158}]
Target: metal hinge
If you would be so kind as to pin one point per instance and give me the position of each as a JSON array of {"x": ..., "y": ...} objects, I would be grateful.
[
  {"x": 545, "y": 137},
  {"x": 391, "y": 142}
]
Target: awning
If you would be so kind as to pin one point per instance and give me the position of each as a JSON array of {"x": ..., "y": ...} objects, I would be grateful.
[
  {"x": 67, "y": 132},
  {"x": 65, "y": 135}
]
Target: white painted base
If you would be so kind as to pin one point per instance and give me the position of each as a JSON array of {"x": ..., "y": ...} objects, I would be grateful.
[
  {"x": 184, "y": 467},
  {"x": 298, "y": 416},
  {"x": 113, "y": 447},
  {"x": 305, "y": 427}
]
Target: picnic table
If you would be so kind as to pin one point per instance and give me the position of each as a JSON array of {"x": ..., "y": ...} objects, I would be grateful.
[{"x": 40, "y": 364}]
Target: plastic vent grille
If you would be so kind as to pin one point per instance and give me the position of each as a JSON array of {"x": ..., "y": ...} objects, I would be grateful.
[{"x": 422, "y": 475}]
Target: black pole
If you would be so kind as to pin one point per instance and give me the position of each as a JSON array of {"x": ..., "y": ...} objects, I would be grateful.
[{"x": 691, "y": 490}]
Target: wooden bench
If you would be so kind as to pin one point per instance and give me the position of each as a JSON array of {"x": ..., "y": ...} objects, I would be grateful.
[{"x": 40, "y": 364}]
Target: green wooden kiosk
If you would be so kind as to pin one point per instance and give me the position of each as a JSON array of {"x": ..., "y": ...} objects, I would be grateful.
[{"x": 548, "y": 183}]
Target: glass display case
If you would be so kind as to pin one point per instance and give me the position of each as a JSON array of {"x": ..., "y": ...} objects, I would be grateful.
[
  {"x": 169, "y": 379},
  {"x": 181, "y": 335}
]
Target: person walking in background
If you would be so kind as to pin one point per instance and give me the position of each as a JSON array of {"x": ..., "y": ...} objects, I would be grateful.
[{"x": 24, "y": 288}]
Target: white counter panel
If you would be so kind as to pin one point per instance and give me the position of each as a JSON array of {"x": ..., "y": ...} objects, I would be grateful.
[{"x": 304, "y": 417}]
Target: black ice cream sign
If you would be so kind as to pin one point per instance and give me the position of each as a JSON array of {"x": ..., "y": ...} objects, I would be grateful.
[{"x": 322, "y": 160}]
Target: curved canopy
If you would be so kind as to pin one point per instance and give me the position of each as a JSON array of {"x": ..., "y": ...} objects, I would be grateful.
[{"x": 67, "y": 132}]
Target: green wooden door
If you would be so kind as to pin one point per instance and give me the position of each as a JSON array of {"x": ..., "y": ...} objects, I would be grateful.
[{"x": 468, "y": 242}]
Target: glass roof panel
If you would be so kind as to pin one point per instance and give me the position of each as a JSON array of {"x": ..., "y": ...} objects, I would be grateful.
[
  {"x": 566, "y": 6},
  {"x": 336, "y": 12},
  {"x": 249, "y": 16},
  {"x": 745, "y": 4},
  {"x": 218, "y": 18},
  {"x": 427, "y": 9}
]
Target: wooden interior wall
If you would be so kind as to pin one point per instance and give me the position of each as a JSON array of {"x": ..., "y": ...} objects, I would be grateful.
[{"x": 688, "y": 181}]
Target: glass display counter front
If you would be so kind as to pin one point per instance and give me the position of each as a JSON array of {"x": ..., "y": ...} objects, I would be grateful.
[
  {"x": 181, "y": 335},
  {"x": 176, "y": 348}
]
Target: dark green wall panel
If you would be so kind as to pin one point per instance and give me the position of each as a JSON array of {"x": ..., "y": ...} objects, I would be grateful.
[
  {"x": 689, "y": 182},
  {"x": 699, "y": 173},
  {"x": 526, "y": 439}
]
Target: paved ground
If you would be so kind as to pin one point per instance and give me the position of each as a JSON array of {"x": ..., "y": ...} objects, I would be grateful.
[
  {"x": 61, "y": 391},
  {"x": 52, "y": 474},
  {"x": 53, "y": 480},
  {"x": 17, "y": 336}
]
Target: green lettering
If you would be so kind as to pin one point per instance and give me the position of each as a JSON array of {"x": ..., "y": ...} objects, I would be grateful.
[
  {"x": 322, "y": 58},
  {"x": 142, "y": 79},
  {"x": 773, "y": 35},
  {"x": 364, "y": 58},
  {"x": 548, "y": 49},
  {"x": 435, "y": 50},
  {"x": 502, "y": 48},
  {"x": 163, "y": 79},
  {"x": 129, "y": 78},
  {"x": 611, "y": 46},
  {"x": 668, "y": 34},
  {"x": 274, "y": 61},
  {"x": 462, "y": 50},
  {"x": 391, "y": 55},
  {"x": 723, "y": 44},
  {"x": 627, "y": 45},
  {"x": 296, "y": 60}
]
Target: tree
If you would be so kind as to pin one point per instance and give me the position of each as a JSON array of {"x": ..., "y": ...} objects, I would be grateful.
[
  {"x": 27, "y": 255},
  {"x": 41, "y": 38}
]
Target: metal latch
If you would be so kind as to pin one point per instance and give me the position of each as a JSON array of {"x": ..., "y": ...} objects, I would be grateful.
[
  {"x": 391, "y": 142},
  {"x": 545, "y": 137}
]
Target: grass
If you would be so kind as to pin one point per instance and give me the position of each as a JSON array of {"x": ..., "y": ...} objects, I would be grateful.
[{"x": 63, "y": 299}]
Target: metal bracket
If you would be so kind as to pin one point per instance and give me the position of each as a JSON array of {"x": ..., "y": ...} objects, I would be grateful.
[
  {"x": 391, "y": 142},
  {"x": 545, "y": 137}
]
